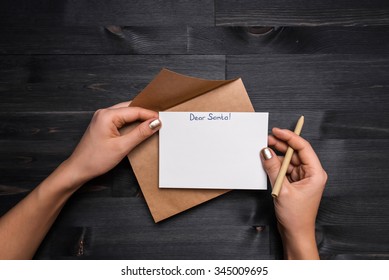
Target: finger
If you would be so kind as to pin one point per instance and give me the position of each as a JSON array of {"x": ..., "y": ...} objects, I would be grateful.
[
  {"x": 121, "y": 105},
  {"x": 290, "y": 168},
  {"x": 294, "y": 175},
  {"x": 282, "y": 147},
  {"x": 122, "y": 116},
  {"x": 140, "y": 133},
  {"x": 305, "y": 151},
  {"x": 271, "y": 164},
  {"x": 271, "y": 140}
]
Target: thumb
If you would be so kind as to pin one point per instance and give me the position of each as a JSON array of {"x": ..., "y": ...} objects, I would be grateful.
[
  {"x": 271, "y": 164},
  {"x": 141, "y": 133}
]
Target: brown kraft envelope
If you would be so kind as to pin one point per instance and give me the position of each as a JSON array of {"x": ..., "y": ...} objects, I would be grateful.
[{"x": 170, "y": 91}]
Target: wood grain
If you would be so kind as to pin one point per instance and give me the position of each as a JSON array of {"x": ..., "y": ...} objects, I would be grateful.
[
  {"x": 365, "y": 240},
  {"x": 124, "y": 229},
  {"x": 362, "y": 210},
  {"x": 314, "y": 82},
  {"x": 84, "y": 83},
  {"x": 110, "y": 39},
  {"x": 289, "y": 40},
  {"x": 62, "y": 60},
  {"x": 113, "y": 39},
  {"x": 131, "y": 243},
  {"x": 308, "y": 13},
  {"x": 99, "y": 12}
]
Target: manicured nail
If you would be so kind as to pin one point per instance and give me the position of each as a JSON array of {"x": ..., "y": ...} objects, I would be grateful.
[
  {"x": 266, "y": 153},
  {"x": 154, "y": 124}
]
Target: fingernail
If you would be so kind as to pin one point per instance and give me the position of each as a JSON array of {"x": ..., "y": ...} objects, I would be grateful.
[
  {"x": 154, "y": 124},
  {"x": 266, "y": 153}
]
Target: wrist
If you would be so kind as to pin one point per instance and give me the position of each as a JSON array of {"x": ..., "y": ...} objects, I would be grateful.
[
  {"x": 58, "y": 186},
  {"x": 299, "y": 244},
  {"x": 70, "y": 176}
]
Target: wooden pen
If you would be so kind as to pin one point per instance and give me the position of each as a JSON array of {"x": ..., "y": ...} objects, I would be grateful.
[{"x": 285, "y": 164}]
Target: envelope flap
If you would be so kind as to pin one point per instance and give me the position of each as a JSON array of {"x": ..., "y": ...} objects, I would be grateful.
[{"x": 169, "y": 89}]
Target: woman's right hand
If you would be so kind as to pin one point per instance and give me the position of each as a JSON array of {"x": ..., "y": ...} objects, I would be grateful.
[{"x": 298, "y": 201}]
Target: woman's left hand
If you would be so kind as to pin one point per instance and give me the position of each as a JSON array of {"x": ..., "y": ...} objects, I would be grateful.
[{"x": 103, "y": 146}]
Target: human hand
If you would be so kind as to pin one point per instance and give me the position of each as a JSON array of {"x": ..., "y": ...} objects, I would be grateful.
[
  {"x": 298, "y": 202},
  {"x": 103, "y": 146}
]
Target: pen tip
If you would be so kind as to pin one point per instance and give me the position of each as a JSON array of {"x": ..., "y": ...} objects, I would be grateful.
[{"x": 301, "y": 120}]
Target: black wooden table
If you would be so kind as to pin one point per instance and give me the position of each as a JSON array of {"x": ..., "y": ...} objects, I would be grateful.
[{"x": 62, "y": 60}]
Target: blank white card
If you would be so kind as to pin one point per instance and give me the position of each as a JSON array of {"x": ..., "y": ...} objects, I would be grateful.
[{"x": 212, "y": 150}]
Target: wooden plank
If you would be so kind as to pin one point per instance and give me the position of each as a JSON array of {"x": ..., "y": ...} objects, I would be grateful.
[
  {"x": 365, "y": 240},
  {"x": 46, "y": 126},
  {"x": 355, "y": 124},
  {"x": 289, "y": 39},
  {"x": 86, "y": 83},
  {"x": 364, "y": 210},
  {"x": 356, "y": 168},
  {"x": 127, "y": 242},
  {"x": 193, "y": 40},
  {"x": 93, "y": 40},
  {"x": 344, "y": 124},
  {"x": 253, "y": 208},
  {"x": 123, "y": 228},
  {"x": 71, "y": 243},
  {"x": 314, "y": 82},
  {"x": 196, "y": 242},
  {"x": 309, "y": 13},
  {"x": 99, "y": 12}
]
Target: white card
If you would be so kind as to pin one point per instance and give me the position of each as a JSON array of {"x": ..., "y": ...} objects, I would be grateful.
[{"x": 212, "y": 150}]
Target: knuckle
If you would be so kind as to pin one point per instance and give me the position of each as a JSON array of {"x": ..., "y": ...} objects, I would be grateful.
[
  {"x": 100, "y": 116},
  {"x": 325, "y": 176},
  {"x": 99, "y": 113}
]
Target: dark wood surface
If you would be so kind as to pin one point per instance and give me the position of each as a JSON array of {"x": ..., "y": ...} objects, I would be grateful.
[{"x": 60, "y": 61}]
